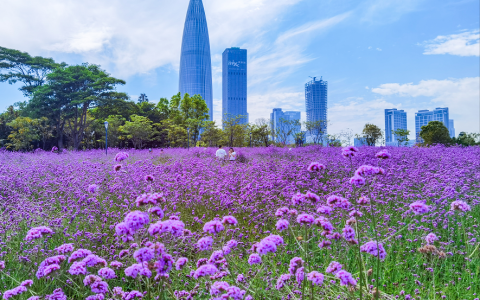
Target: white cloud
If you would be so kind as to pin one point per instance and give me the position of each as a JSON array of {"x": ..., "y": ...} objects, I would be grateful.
[
  {"x": 378, "y": 49},
  {"x": 462, "y": 44},
  {"x": 387, "y": 11},
  {"x": 461, "y": 96}
]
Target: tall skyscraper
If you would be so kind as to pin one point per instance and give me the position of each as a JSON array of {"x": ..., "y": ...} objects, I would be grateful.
[
  {"x": 234, "y": 84},
  {"x": 451, "y": 128},
  {"x": 280, "y": 123},
  {"x": 195, "y": 59},
  {"x": 394, "y": 120},
  {"x": 316, "y": 101},
  {"x": 423, "y": 117}
]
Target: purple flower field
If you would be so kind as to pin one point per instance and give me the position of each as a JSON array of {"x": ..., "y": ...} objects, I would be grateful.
[{"x": 279, "y": 223}]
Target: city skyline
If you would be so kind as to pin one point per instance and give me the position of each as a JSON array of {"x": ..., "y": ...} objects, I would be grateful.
[
  {"x": 375, "y": 54},
  {"x": 234, "y": 84}
]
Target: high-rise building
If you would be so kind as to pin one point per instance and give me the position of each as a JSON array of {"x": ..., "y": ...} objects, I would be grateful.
[
  {"x": 234, "y": 84},
  {"x": 316, "y": 101},
  {"x": 359, "y": 142},
  {"x": 451, "y": 128},
  {"x": 195, "y": 59},
  {"x": 281, "y": 123},
  {"x": 423, "y": 117},
  {"x": 394, "y": 120}
]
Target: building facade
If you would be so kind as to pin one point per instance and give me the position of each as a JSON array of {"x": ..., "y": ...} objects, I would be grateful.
[
  {"x": 394, "y": 120},
  {"x": 195, "y": 59},
  {"x": 316, "y": 98},
  {"x": 451, "y": 128},
  {"x": 234, "y": 84},
  {"x": 281, "y": 125},
  {"x": 423, "y": 117},
  {"x": 359, "y": 142}
]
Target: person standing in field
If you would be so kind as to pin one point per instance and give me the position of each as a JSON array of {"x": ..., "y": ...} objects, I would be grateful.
[
  {"x": 232, "y": 155},
  {"x": 220, "y": 154}
]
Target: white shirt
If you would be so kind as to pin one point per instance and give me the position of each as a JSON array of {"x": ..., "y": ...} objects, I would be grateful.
[
  {"x": 233, "y": 156},
  {"x": 221, "y": 153}
]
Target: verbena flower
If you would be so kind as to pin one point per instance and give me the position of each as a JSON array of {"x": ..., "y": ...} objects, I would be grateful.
[
  {"x": 334, "y": 267},
  {"x": 38, "y": 232},
  {"x": 107, "y": 273},
  {"x": 300, "y": 275},
  {"x": 164, "y": 263},
  {"x": 363, "y": 201},
  {"x": 136, "y": 220},
  {"x": 213, "y": 227},
  {"x": 316, "y": 278},
  {"x": 282, "y": 224},
  {"x": 349, "y": 151},
  {"x": 298, "y": 198},
  {"x": 92, "y": 188},
  {"x": 295, "y": 264},
  {"x": 138, "y": 269},
  {"x": 205, "y": 270},
  {"x": 149, "y": 178},
  {"x": 121, "y": 156},
  {"x": 99, "y": 287},
  {"x": 316, "y": 167},
  {"x": 27, "y": 283},
  {"x": 460, "y": 205},
  {"x": 324, "y": 223},
  {"x": 181, "y": 262},
  {"x": 93, "y": 260},
  {"x": 205, "y": 243},
  {"x": 133, "y": 295},
  {"x": 431, "y": 238},
  {"x": 144, "y": 255},
  {"x": 90, "y": 279},
  {"x": 372, "y": 249},
  {"x": 383, "y": 154},
  {"x": 254, "y": 259},
  {"x": 230, "y": 220},
  {"x": 78, "y": 268},
  {"x": 65, "y": 248},
  {"x": 313, "y": 198},
  {"x": 349, "y": 234},
  {"x": 357, "y": 180},
  {"x": 282, "y": 212},
  {"x": 156, "y": 211},
  {"x": 346, "y": 278},
  {"x": 282, "y": 280},
  {"x": 419, "y": 207},
  {"x": 14, "y": 292},
  {"x": 305, "y": 219},
  {"x": 218, "y": 287},
  {"x": 57, "y": 295},
  {"x": 325, "y": 210},
  {"x": 116, "y": 264}
]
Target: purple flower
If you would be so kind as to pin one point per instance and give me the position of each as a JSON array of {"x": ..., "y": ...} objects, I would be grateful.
[
  {"x": 181, "y": 262},
  {"x": 54, "y": 149},
  {"x": 295, "y": 264},
  {"x": 357, "y": 180},
  {"x": 92, "y": 188},
  {"x": 315, "y": 277},
  {"x": 369, "y": 170},
  {"x": 313, "y": 198},
  {"x": 419, "y": 207},
  {"x": 93, "y": 260},
  {"x": 2, "y": 264},
  {"x": 324, "y": 244},
  {"x": 205, "y": 270},
  {"x": 282, "y": 224},
  {"x": 345, "y": 278},
  {"x": 149, "y": 178},
  {"x": 205, "y": 243},
  {"x": 57, "y": 295},
  {"x": 213, "y": 227},
  {"x": 218, "y": 287},
  {"x": 254, "y": 259},
  {"x": 27, "y": 283},
  {"x": 334, "y": 267},
  {"x": 363, "y": 201},
  {"x": 164, "y": 264},
  {"x": 266, "y": 246},
  {"x": 78, "y": 268},
  {"x": 240, "y": 278},
  {"x": 117, "y": 168},
  {"x": 38, "y": 232},
  {"x": 34, "y": 298},
  {"x": 14, "y": 292},
  {"x": 121, "y": 156},
  {"x": 282, "y": 280},
  {"x": 371, "y": 248},
  {"x": 300, "y": 275},
  {"x": 136, "y": 220},
  {"x": 460, "y": 206},
  {"x": 132, "y": 295},
  {"x": 156, "y": 211},
  {"x": 138, "y": 269},
  {"x": 144, "y": 255},
  {"x": 298, "y": 198},
  {"x": 316, "y": 167},
  {"x": 116, "y": 264},
  {"x": 107, "y": 273},
  {"x": 278, "y": 240},
  {"x": 282, "y": 212},
  {"x": 65, "y": 248},
  {"x": 349, "y": 151},
  {"x": 325, "y": 210},
  {"x": 349, "y": 234},
  {"x": 305, "y": 219},
  {"x": 232, "y": 244},
  {"x": 95, "y": 297},
  {"x": 324, "y": 223},
  {"x": 431, "y": 238},
  {"x": 230, "y": 220},
  {"x": 99, "y": 287},
  {"x": 90, "y": 279},
  {"x": 383, "y": 154}
]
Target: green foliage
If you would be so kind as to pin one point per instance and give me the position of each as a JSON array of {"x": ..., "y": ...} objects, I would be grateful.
[
  {"x": 234, "y": 131},
  {"x": 316, "y": 130},
  {"x": 260, "y": 133},
  {"x": 139, "y": 130},
  {"x": 24, "y": 132},
  {"x": 372, "y": 134},
  {"x": 435, "y": 133},
  {"x": 467, "y": 139},
  {"x": 211, "y": 135}
]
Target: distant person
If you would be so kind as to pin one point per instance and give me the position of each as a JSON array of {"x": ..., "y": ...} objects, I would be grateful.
[
  {"x": 220, "y": 154},
  {"x": 232, "y": 156}
]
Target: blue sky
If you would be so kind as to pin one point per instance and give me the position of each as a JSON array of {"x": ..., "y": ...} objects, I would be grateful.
[{"x": 375, "y": 54}]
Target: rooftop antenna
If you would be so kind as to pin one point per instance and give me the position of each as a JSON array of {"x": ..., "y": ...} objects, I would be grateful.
[{"x": 312, "y": 77}]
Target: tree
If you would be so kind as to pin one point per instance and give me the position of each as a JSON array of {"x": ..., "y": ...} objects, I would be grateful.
[
  {"x": 234, "y": 131},
  {"x": 435, "y": 133},
  {"x": 8, "y": 116},
  {"x": 194, "y": 111},
  {"x": 260, "y": 133},
  {"x": 23, "y": 133},
  {"x": 21, "y": 67},
  {"x": 316, "y": 130},
  {"x": 372, "y": 133},
  {"x": 69, "y": 93},
  {"x": 296, "y": 132},
  {"x": 44, "y": 129},
  {"x": 139, "y": 130},
  {"x": 402, "y": 136},
  {"x": 467, "y": 139},
  {"x": 283, "y": 130},
  {"x": 211, "y": 134},
  {"x": 114, "y": 124}
]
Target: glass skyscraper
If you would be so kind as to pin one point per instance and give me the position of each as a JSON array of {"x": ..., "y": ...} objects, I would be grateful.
[
  {"x": 234, "y": 84},
  {"x": 195, "y": 59},
  {"x": 276, "y": 118},
  {"x": 394, "y": 120},
  {"x": 451, "y": 128},
  {"x": 423, "y": 117},
  {"x": 316, "y": 101}
]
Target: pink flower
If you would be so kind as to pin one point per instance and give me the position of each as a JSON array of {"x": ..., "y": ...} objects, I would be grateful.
[
  {"x": 313, "y": 198},
  {"x": 460, "y": 206},
  {"x": 431, "y": 238},
  {"x": 149, "y": 178},
  {"x": 181, "y": 262},
  {"x": 316, "y": 167},
  {"x": 315, "y": 277}
]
